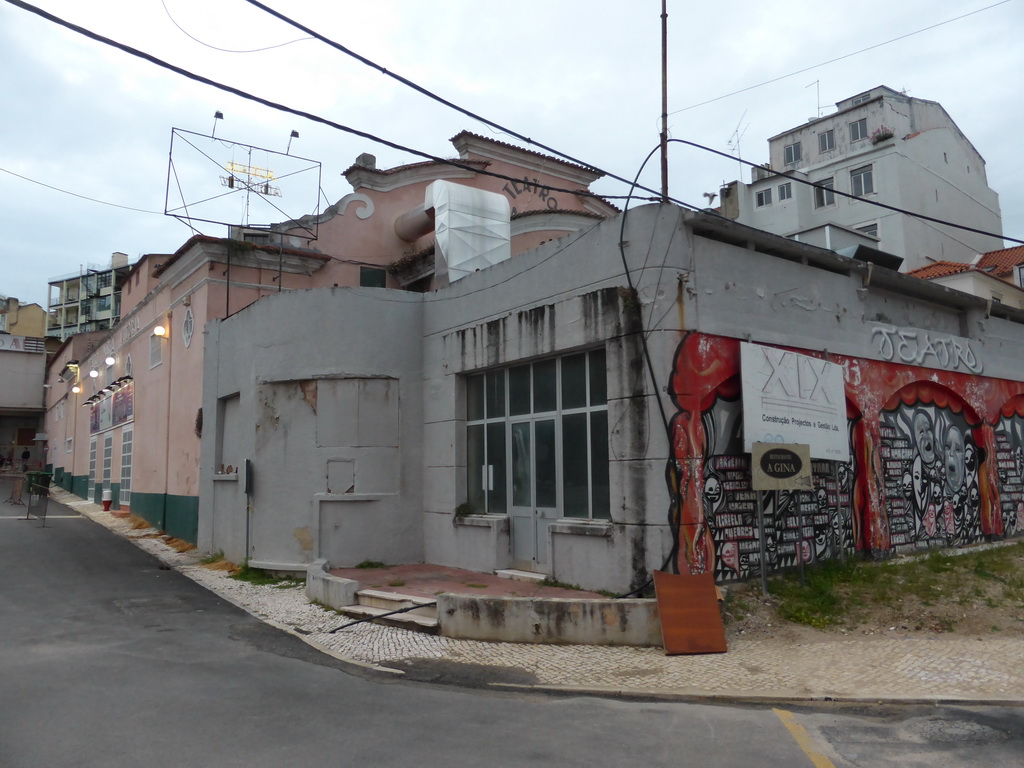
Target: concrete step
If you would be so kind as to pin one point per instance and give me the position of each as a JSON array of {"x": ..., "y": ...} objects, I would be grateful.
[
  {"x": 511, "y": 573},
  {"x": 409, "y": 620},
  {"x": 392, "y": 601}
]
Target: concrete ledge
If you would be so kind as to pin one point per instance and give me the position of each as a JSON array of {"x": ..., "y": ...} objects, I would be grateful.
[
  {"x": 581, "y": 528},
  {"x": 498, "y": 522},
  {"x": 332, "y": 591},
  {"x": 549, "y": 620}
]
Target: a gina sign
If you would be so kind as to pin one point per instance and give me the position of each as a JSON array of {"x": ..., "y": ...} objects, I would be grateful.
[{"x": 781, "y": 466}]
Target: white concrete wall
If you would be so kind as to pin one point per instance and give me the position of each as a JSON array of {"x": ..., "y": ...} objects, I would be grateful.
[{"x": 322, "y": 485}]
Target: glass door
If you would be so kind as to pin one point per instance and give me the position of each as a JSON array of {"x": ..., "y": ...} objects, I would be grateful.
[{"x": 534, "y": 491}]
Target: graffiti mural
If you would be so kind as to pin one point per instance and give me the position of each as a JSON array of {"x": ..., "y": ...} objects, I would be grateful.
[
  {"x": 1009, "y": 437},
  {"x": 805, "y": 526},
  {"x": 937, "y": 459},
  {"x": 930, "y": 461}
]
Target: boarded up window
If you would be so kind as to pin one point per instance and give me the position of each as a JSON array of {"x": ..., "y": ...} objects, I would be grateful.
[{"x": 357, "y": 413}]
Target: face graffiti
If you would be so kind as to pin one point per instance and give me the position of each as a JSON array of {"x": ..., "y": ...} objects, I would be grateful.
[
  {"x": 931, "y": 475},
  {"x": 954, "y": 459},
  {"x": 924, "y": 439}
]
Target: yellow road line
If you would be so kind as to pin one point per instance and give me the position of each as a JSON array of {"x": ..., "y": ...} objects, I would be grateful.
[{"x": 803, "y": 740}]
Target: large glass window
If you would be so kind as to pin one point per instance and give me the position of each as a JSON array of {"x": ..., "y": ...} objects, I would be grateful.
[
  {"x": 544, "y": 427},
  {"x": 792, "y": 153}
]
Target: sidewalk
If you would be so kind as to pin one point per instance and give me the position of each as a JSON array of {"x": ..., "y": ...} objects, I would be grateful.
[{"x": 897, "y": 667}]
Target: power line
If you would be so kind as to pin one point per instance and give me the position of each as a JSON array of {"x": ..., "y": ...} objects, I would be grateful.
[
  {"x": 83, "y": 197},
  {"x": 454, "y": 163},
  {"x": 298, "y": 112},
  {"x": 849, "y": 195},
  {"x": 838, "y": 58},
  {"x": 225, "y": 50},
  {"x": 633, "y": 184},
  {"x": 441, "y": 100}
]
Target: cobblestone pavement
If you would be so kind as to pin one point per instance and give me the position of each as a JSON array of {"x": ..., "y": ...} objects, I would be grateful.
[{"x": 894, "y": 668}]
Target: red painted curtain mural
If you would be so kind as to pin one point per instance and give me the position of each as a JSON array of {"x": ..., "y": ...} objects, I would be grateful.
[{"x": 925, "y": 448}]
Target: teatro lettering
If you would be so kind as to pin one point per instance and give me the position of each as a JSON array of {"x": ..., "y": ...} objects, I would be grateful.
[
  {"x": 516, "y": 188},
  {"x": 930, "y": 350}
]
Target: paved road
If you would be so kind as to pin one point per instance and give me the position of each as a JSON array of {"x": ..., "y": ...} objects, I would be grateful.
[{"x": 108, "y": 659}]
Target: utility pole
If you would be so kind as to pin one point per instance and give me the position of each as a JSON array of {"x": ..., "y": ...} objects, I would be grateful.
[{"x": 664, "y": 101}]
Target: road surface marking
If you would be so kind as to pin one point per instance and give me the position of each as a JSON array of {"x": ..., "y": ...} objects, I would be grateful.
[{"x": 803, "y": 740}]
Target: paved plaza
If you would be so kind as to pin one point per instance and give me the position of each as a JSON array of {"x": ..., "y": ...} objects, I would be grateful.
[{"x": 896, "y": 667}]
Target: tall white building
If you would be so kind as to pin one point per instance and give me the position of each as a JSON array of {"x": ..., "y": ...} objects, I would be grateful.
[{"x": 883, "y": 146}]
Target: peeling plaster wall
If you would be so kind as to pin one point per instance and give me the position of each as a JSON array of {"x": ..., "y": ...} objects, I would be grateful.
[
  {"x": 565, "y": 296},
  {"x": 330, "y": 417}
]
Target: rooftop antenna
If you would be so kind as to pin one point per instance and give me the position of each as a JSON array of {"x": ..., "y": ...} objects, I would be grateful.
[
  {"x": 218, "y": 115},
  {"x": 817, "y": 97},
  {"x": 295, "y": 135},
  {"x": 737, "y": 135}
]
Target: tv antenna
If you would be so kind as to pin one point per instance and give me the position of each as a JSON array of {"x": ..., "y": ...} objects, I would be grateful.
[
  {"x": 737, "y": 136},
  {"x": 817, "y": 97}
]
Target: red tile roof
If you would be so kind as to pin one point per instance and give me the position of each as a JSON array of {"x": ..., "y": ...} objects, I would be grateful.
[
  {"x": 1002, "y": 262},
  {"x": 939, "y": 269}
]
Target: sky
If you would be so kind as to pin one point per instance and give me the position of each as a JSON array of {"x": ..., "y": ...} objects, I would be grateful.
[{"x": 86, "y": 146}]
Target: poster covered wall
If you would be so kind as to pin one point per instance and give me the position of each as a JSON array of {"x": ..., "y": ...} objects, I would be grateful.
[{"x": 114, "y": 410}]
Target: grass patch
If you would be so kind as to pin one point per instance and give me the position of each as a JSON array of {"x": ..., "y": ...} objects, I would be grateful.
[
  {"x": 263, "y": 578},
  {"x": 212, "y": 558},
  {"x": 368, "y": 564},
  {"x": 839, "y": 594},
  {"x": 396, "y": 583},
  {"x": 474, "y": 586}
]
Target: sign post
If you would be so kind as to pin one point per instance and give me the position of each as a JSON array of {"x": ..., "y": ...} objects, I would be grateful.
[{"x": 780, "y": 467}]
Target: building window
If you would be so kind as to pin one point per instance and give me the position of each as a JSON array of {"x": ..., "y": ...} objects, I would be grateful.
[
  {"x": 764, "y": 197},
  {"x": 785, "y": 191},
  {"x": 105, "y": 279},
  {"x": 69, "y": 445},
  {"x": 127, "y": 440},
  {"x": 537, "y": 436},
  {"x": 103, "y": 303},
  {"x": 373, "y": 277},
  {"x": 823, "y": 194},
  {"x": 862, "y": 98},
  {"x": 862, "y": 181},
  {"x": 90, "y": 488},
  {"x": 859, "y": 129},
  {"x": 792, "y": 153},
  {"x": 869, "y": 229},
  {"x": 826, "y": 141},
  {"x": 156, "y": 351}
]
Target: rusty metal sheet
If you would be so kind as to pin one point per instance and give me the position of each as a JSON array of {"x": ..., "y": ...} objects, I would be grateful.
[{"x": 691, "y": 621}]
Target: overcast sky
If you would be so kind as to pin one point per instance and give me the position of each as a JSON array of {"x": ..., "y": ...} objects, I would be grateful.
[{"x": 582, "y": 76}]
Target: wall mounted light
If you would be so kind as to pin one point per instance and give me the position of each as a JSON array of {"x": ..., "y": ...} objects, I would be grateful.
[
  {"x": 93, "y": 374},
  {"x": 160, "y": 330},
  {"x": 110, "y": 360},
  {"x": 76, "y": 389}
]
